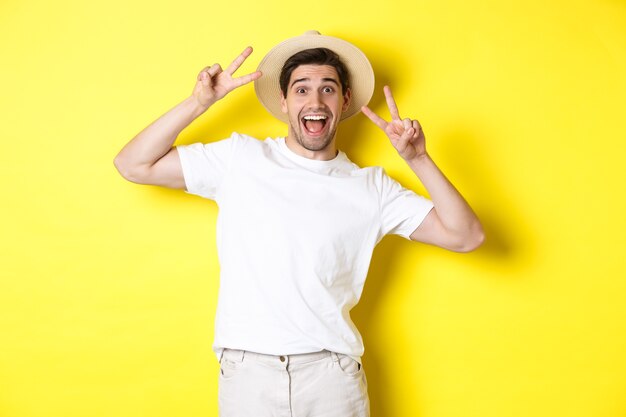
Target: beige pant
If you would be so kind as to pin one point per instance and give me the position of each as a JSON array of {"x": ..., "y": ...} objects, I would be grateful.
[{"x": 320, "y": 384}]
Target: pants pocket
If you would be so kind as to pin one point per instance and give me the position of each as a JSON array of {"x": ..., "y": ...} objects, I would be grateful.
[
  {"x": 229, "y": 366},
  {"x": 348, "y": 365}
]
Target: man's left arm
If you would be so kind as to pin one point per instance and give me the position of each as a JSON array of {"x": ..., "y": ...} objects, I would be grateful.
[{"x": 451, "y": 224}]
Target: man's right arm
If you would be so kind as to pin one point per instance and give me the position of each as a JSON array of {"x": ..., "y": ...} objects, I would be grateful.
[{"x": 150, "y": 158}]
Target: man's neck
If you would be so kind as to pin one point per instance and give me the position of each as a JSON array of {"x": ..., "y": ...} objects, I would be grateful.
[{"x": 326, "y": 154}]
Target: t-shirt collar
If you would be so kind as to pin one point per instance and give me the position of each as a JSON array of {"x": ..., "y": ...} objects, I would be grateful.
[{"x": 310, "y": 163}]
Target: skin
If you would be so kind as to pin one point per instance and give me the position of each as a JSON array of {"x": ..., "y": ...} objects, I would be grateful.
[
  {"x": 314, "y": 89},
  {"x": 150, "y": 158}
]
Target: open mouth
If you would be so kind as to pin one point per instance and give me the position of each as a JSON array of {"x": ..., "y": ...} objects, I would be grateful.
[{"x": 315, "y": 124}]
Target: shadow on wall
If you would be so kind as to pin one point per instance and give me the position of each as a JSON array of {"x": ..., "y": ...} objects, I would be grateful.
[
  {"x": 377, "y": 283},
  {"x": 506, "y": 230},
  {"x": 502, "y": 248},
  {"x": 478, "y": 182}
]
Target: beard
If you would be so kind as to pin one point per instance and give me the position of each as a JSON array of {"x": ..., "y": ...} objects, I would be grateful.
[{"x": 312, "y": 144}]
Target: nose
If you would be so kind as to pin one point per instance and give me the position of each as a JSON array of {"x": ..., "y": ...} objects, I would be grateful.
[
  {"x": 315, "y": 97},
  {"x": 315, "y": 100}
]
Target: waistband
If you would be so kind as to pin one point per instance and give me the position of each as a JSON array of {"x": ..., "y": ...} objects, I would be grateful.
[{"x": 237, "y": 355}]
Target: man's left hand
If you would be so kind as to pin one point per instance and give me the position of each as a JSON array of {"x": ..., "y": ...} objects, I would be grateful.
[{"x": 406, "y": 135}]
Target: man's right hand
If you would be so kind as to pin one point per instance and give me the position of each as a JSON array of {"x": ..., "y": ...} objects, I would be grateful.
[
  {"x": 150, "y": 158},
  {"x": 213, "y": 83}
]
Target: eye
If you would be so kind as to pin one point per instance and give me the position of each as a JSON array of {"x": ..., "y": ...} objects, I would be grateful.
[
  {"x": 328, "y": 89},
  {"x": 300, "y": 90}
]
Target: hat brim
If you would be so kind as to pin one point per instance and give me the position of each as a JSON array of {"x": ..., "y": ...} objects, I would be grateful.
[{"x": 360, "y": 71}]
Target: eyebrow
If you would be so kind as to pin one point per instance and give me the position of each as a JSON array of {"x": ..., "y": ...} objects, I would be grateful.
[{"x": 332, "y": 80}]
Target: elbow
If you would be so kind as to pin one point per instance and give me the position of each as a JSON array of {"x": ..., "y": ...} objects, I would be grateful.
[
  {"x": 472, "y": 244},
  {"x": 125, "y": 170},
  {"x": 472, "y": 240},
  {"x": 121, "y": 168}
]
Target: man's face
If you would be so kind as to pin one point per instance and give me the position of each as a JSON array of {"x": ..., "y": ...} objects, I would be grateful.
[{"x": 314, "y": 105}]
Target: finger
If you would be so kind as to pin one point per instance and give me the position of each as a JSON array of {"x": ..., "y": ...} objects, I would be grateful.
[
  {"x": 406, "y": 123},
  {"x": 214, "y": 70},
  {"x": 380, "y": 122},
  {"x": 239, "y": 60},
  {"x": 391, "y": 103},
  {"x": 245, "y": 79},
  {"x": 416, "y": 126},
  {"x": 407, "y": 137},
  {"x": 205, "y": 69},
  {"x": 205, "y": 79}
]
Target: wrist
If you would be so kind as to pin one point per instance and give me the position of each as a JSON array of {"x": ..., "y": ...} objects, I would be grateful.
[
  {"x": 197, "y": 107},
  {"x": 421, "y": 164},
  {"x": 419, "y": 160}
]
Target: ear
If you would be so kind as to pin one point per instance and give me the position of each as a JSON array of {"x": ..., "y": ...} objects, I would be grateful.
[
  {"x": 283, "y": 103},
  {"x": 347, "y": 98}
]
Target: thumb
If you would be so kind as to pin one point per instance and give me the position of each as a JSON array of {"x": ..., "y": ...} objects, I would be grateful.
[{"x": 204, "y": 78}]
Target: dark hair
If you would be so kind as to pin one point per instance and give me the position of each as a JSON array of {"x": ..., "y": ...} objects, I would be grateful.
[{"x": 318, "y": 56}]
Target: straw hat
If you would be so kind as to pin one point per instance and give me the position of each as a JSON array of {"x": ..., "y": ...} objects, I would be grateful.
[{"x": 361, "y": 80}]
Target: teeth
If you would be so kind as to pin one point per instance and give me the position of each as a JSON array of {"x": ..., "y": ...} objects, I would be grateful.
[{"x": 314, "y": 117}]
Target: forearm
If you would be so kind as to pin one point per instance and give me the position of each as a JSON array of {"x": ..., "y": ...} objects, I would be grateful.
[
  {"x": 452, "y": 210},
  {"x": 157, "y": 139},
  {"x": 452, "y": 224}
]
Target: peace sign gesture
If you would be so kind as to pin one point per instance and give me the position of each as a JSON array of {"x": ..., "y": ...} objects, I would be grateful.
[
  {"x": 406, "y": 135},
  {"x": 213, "y": 83}
]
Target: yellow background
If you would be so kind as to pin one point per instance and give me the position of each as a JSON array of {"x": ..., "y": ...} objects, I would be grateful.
[{"x": 108, "y": 289}]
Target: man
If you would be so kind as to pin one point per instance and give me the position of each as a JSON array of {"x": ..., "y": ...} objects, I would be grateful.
[{"x": 297, "y": 223}]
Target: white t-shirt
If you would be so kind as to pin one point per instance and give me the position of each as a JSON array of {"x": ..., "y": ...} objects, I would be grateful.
[{"x": 294, "y": 237}]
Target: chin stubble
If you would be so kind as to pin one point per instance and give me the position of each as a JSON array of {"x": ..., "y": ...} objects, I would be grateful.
[{"x": 300, "y": 139}]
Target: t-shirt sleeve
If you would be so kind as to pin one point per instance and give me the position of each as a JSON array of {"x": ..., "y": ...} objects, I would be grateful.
[
  {"x": 205, "y": 165},
  {"x": 402, "y": 210}
]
